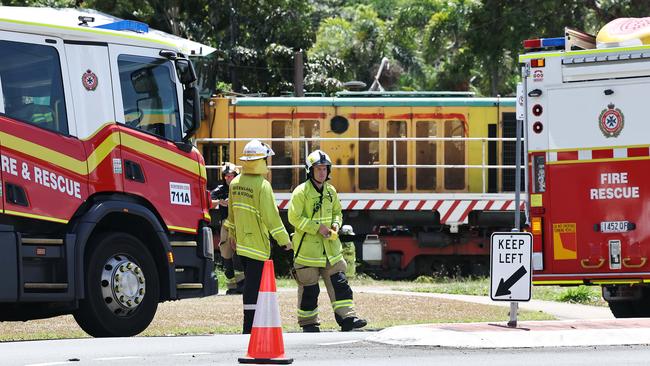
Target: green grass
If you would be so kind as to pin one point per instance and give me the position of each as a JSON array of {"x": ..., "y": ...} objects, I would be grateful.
[{"x": 587, "y": 295}]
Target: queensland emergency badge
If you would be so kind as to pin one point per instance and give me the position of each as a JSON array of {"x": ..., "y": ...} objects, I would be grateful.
[
  {"x": 611, "y": 121},
  {"x": 89, "y": 80}
]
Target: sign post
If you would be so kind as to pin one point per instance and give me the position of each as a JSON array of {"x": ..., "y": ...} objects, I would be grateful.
[{"x": 510, "y": 268}]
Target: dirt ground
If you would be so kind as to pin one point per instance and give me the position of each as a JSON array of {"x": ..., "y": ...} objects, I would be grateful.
[{"x": 223, "y": 314}]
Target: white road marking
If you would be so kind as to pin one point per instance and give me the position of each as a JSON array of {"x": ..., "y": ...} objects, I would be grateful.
[
  {"x": 192, "y": 354},
  {"x": 335, "y": 343},
  {"x": 52, "y": 363},
  {"x": 116, "y": 358}
]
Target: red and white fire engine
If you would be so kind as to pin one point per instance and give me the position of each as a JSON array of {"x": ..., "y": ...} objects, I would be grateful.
[
  {"x": 583, "y": 99},
  {"x": 104, "y": 207}
]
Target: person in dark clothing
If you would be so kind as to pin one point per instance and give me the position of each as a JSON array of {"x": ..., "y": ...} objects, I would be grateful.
[{"x": 231, "y": 263}]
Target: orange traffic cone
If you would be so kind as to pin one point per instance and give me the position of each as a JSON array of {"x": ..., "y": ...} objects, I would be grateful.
[{"x": 266, "y": 344}]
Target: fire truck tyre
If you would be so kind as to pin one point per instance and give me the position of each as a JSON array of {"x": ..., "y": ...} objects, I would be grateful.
[
  {"x": 623, "y": 309},
  {"x": 122, "y": 287}
]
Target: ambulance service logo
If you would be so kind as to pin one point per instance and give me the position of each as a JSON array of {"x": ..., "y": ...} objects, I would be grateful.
[
  {"x": 89, "y": 80},
  {"x": 611, "y": 121}
]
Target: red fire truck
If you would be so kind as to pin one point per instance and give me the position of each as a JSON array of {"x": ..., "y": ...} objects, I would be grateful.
[
  {"x": 104, "y": 207},
  {"x": 583, "y": 101}
]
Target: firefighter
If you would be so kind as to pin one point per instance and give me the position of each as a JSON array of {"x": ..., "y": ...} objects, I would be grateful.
[
  {"x": 231, "y": 262},
  {"x": 349, "y": 251},
  {"x": 315, "y": 212},
  {"x": 252, "y": 215}
]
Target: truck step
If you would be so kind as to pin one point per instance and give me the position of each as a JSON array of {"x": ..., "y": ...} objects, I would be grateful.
[
  {"x": 187, "y": 243},
  {"x": 41, "y": 241},
  {"x": 45, "y": 286}
]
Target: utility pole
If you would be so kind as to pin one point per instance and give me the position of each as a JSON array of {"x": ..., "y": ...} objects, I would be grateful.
[{"x": 298, "y": 74}]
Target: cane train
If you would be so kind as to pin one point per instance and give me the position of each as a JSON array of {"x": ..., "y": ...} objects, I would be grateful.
[{"x": 424, "y": 178}]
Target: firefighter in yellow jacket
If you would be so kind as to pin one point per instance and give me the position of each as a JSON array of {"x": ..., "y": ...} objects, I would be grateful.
[
  {"x": 252, "y": 216},
  {"x": 315, "y": 212}
]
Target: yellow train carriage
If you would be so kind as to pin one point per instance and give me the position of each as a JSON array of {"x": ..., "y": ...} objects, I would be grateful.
[
  {"x": 410, "y": 119},
  {"x": 431, "y": 163}
]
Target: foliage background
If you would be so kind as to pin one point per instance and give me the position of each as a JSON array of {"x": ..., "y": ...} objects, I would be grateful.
[{"x": 463, "y": 45}]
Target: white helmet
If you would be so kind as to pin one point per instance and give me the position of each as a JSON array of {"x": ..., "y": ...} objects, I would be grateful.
[
  {"x": 229, "y": 168},
  {"x": 255, "y": 150},
  {"x": 317, "y": 157},
  {"x": 346, "y": 230}
]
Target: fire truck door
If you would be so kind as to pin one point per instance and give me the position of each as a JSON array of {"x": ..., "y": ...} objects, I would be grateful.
[
  {"x": 148, "y": 95},
  {"x": 44, "y": 164}
]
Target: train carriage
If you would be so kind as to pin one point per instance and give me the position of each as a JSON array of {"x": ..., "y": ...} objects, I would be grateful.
[{"x": 424, "y": 178}]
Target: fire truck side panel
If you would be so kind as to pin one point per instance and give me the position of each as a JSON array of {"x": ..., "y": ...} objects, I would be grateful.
[
  {"x": 45, "y": 172},
  {"x": 169, "y": 177}
]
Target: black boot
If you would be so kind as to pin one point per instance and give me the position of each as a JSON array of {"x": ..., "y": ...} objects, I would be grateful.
[
  {"x": 311, "y": 328},
  {"x": 352, "y": 323},
  {"x": 249, "y": 315}
]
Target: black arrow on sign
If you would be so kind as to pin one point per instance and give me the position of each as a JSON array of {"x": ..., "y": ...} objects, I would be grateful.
[{"x": 504, "y": 286}]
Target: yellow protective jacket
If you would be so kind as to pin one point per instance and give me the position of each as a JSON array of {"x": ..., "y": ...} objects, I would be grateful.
[
  {"x": 252, "y": 215},
  {"x": 309, "y": 209}
]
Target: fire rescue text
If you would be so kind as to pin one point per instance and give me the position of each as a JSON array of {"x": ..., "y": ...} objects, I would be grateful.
[
  {"x": 515, "y": 245},
  {"x": 41, "y": 176},
  {"x": 614, "y": 193}
]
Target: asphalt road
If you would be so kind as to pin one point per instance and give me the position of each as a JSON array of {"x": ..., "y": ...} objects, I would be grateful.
[{"x": 305, "y": 349}]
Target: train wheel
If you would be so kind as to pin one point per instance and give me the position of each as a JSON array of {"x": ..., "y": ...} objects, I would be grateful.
[{"x": 122, "y": 287}]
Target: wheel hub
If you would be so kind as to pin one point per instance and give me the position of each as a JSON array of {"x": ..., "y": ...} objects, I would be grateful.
[{"x": 123, "y": 285}]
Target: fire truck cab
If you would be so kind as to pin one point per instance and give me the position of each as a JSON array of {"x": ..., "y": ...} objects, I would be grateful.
[
  {"x": 583, "y": 100},
  {"x": 104, "y": 210}
]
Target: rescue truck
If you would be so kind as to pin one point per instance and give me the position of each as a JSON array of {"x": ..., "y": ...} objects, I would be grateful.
[
  {"x": 104, "y": 202},
  {"x": 583, "y": 100}
]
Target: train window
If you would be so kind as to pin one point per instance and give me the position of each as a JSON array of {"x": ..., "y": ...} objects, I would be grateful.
[
  {"x": 426, "y": 154},
  {"x": 369, "y": 155},
  {"x": 454, "y": 155},
  {"x": 281, "y": 178},
  {"x": 396, "y": 130},
  {"x": 307, "y": 129},
  {"x": 215, "y": 154}
]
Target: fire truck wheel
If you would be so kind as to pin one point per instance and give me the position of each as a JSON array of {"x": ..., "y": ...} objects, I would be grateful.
[{"x": 121, "y": 286}]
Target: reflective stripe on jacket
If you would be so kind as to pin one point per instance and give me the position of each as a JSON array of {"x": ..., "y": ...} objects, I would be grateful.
[
  {"x": 306, "y": 216},
  {"x": 252, "y": 215}
]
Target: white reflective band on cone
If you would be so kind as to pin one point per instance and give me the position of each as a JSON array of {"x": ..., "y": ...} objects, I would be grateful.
[{"x": 268, "y": 313}]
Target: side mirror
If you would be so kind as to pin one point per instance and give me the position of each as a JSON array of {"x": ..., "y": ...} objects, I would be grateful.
[
  {"x": 185, "y": 71},
  {"x": 191, "y": 112}
]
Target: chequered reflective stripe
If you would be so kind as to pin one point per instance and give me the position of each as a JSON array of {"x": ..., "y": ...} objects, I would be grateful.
[
  {"x": 252, "y": 252},
  {"x": 451, "y": 211},
  {"x": 267, "y": 314},
  {"x": 317, "y": 262},
  {"x": 307, "y": 313},
  {"x": 342, "y": 304},
  {"x": 598, "y": 154}
]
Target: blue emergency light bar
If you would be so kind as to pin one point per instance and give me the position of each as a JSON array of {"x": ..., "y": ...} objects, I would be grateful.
[
  {"x": 544, "y": 43},
  {"x": 126, "y": 25}
]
